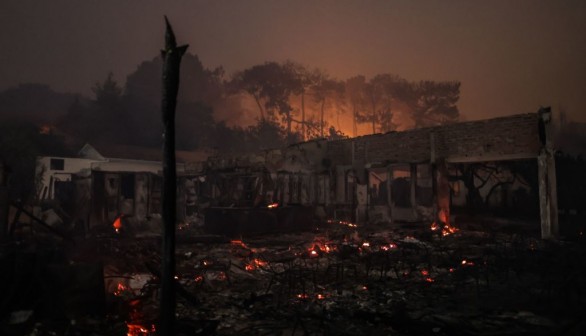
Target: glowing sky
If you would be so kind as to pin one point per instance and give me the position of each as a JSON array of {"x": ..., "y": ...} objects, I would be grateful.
[{"x": 511, "y": 56}]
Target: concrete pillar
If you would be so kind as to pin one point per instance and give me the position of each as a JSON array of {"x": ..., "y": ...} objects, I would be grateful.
[
  {"x": 413, "y": 173},
  {"x": 548, "y": 208},
  {"x": 441, "y": 192},
  {"x": 548, "y": 205}
]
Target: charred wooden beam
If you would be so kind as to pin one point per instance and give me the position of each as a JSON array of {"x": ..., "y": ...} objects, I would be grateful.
[
  {"x": 21, "y": 209},
  {"x": 171, "y": 64},
  {"x": 3, "y": 202}
]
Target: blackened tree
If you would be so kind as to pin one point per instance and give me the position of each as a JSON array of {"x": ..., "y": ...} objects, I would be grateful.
[
  {"x": 271, "y": 85},
  {"x": 434, "y": 103},
  {"x": 327, "y": 92},
  {"x": 355, "y": 95}
]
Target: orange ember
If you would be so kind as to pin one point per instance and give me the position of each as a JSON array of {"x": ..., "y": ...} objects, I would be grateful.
[
  {"x": 434, "y": 226},
  {"x": 222, "y": 276},
  {"x": 239, "y": 243},
  {"x": 139, "y": 330},
  {"x": 273, "y": 205},
  {"x": 117, "y": 224},
  {"x": 446, "y": 230},
  {"x": 120, "y": 289},
  {"x": 254, "y": 264}
]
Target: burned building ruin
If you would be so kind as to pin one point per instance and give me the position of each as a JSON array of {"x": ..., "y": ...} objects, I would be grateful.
[
  {"x": 410, "y": 176},
  {"x": 396, "y": 233}
]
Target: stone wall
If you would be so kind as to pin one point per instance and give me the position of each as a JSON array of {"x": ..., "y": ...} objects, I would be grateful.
[{"x": 485, "y": 140}]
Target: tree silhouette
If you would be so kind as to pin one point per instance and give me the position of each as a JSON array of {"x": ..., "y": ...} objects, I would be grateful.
[
  {"x": 271, "y": 85},
  {"x": 434, "y": 103},
  {"x": 326, "y": 91},
  {"x": 355, "y": 94}
]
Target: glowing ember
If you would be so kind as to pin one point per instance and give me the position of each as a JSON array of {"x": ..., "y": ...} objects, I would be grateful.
[
  {"x": 467, "y": 263},
  {"x": 429, "y": 280},
  {"x": 313, "y": 252},
  {"x": 240, "y": 243},
  {"x": 391, "y": 246},
  {"x": 259, "y": 262},
  {"x": 424, "y": 272},
  {"x": 237, "y": 242},
  {"x": 321, "y": 296},
  {"x": 366, "y": 244},
  {"x": 302, "y": 296},
  {"x": 255, "y": 264},
  {"x": 139, "y": 330},
  {"x": 120, "y": 289},
  {"x": 446, "y": 230},
  {"x": 273, "y": 205},
  {"x": 198, "y": 278},
  {"x": 341, "y": 222},
  {"x": 117, "y": 225},
  {"x": 222, "y": 276}
]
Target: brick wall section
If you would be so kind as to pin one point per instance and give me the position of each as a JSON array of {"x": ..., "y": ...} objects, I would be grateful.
[
  {"x": 510, "y": 136},
  {"x": 340, "y": 152},
  {"x": 407, "y": 146},
  {"x": 507, "y": 136}
]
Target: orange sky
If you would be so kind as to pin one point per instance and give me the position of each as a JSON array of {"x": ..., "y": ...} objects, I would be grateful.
[{"x": 511, "y": 56}]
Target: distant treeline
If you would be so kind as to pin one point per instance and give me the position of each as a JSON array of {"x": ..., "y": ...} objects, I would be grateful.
[{"x": 265, "y": 106}]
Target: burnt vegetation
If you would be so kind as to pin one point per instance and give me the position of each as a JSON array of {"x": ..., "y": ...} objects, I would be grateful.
[{"x": 266, "y": 105}]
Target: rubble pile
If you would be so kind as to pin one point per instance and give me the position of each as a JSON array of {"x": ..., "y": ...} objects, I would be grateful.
[{"x": 338, "y": 280}]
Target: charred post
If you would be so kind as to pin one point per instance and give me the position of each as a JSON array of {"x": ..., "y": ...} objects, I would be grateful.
[
  {"x": 171, "y": 64},
  {"x": 3, "y": 202}
]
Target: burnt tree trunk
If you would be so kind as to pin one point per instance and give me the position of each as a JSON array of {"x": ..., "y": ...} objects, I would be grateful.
[
  {"x": 172, "y": 60},
  {"x": 3, "y": 203}
]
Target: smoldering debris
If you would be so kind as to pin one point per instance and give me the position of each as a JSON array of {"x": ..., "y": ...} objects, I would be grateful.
[{"x": 338, "y": 279}]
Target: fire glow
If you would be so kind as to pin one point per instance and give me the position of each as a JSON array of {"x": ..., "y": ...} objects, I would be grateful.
[
  {"x": 341, "y": 222},
  {"x": 446, "y": 230},
  {"x": 117, "y": 225},
  {"x": 139, "y": 330},
  {"x": 319, "y": 248},
  {"x": 273, "y": 205},
  {"x": 255, "y": 264},
  {"x": 240, "y": 243},
  {"x": 120, "y": 289},
  {"x": 467, "y": 263}
]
